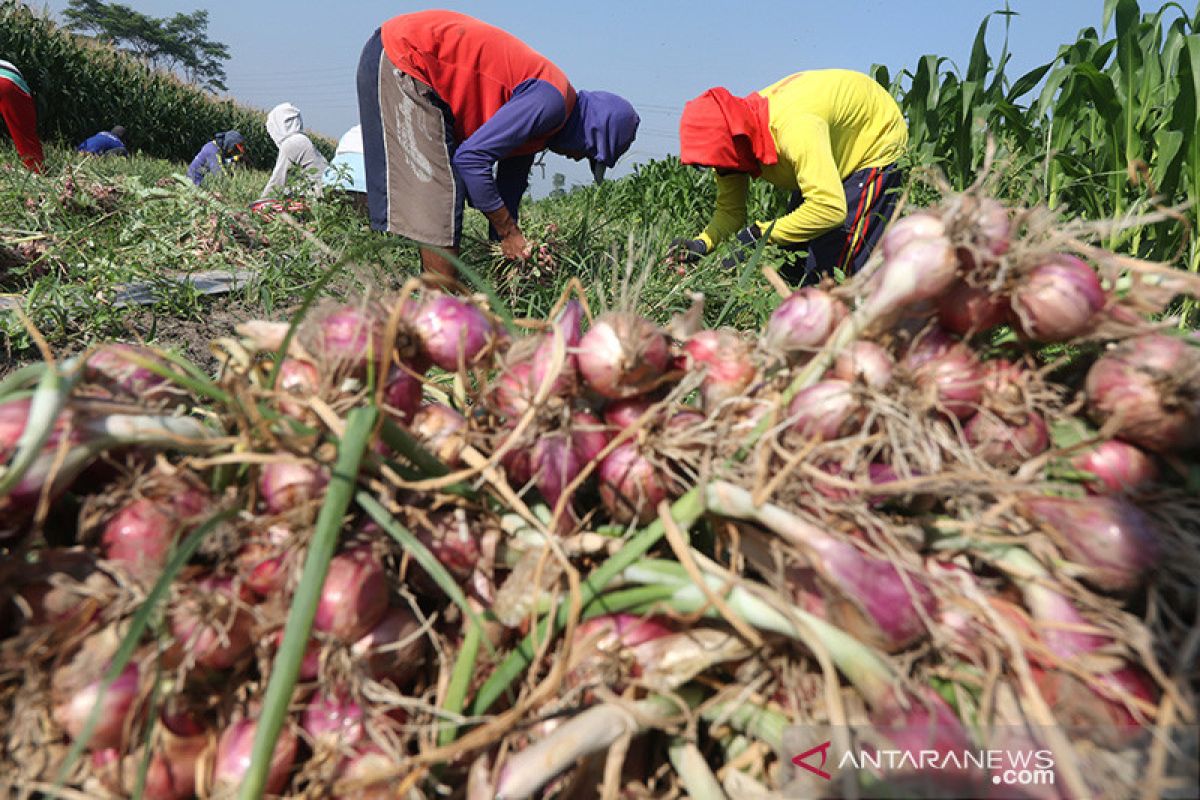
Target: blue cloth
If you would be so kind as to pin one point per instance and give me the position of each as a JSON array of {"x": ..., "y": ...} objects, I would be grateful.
[
  {"x": 602, "y": 127},
  {"x": 228, "y": 140},
  {"x": 347, "y": 171},
  {"x": 535, "y": 110},
  {"x": 207, "y": 161},
  {"x": 101, "y": 143}
]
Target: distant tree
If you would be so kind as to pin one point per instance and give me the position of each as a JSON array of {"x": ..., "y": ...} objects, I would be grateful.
[
  {"x": 560, "y": 181},
  {"x": 179, "y": 43}
]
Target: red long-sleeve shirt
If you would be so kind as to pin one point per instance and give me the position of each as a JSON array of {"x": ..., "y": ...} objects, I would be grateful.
[{"x": 474, "y": 67}]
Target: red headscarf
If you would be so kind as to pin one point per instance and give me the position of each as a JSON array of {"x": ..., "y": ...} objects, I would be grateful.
[{"x": 725, "y": 132}]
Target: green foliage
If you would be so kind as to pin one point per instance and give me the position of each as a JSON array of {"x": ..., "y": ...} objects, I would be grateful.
[
  {"x": 177, "y": 43},
  {"x": 1103, "y": 130},
  {"x": 82, "y": 86},
  {"x": 91, "y": 225}
]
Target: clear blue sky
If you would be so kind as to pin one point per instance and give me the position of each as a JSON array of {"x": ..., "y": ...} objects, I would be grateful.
[{"x": 656, "y": 53}]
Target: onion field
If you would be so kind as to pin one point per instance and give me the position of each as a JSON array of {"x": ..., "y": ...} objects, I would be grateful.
[{"x": 279, "y": 518}]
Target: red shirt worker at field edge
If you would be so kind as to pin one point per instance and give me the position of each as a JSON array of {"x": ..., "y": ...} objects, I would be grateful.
[
  {"x": 831, "y": 136},
  {"x": 454, "y": 110},
  {"x": 20, "y": 116}
]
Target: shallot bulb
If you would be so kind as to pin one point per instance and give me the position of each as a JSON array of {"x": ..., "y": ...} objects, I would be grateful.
[
  {"x": 725, "y": 357},
  {"x": 142, "y": 532},
  {"x": 1068, "y": 635},
  {"x": 354, "y": 596},
  {"x": 607, "y": 636},
  {"x": 448, "y": 535},
  {"x": 803, "y": 321},
  {"x": 116, "y": 705},
  {"x": 333, "y": 718},
  {"x": 296, "y": 380},
  {"x": 568, "y": 325},
  {"x": 349, "y": 336},
  {"x": 234, "y": 750},
  {"x": 1118, "y": 467},
  {"x": 1058, "y": 300},
  {"x": 364, "y": 766},
  {"x": 823, "y": 410},
  {"x": 555, "y": 465},
  {"x": 1004, "y": 444},
  {"x": 1117, "y": 542},
  {"x": 213, "y": 628},
  {"x": 1149, "y": 388},
  {"x": 402, "y": 393},
  {"x": 992, "y": 227},
  {"x": 513, "y": 392},
  {"x": 44, "y": 475},
  {"x": 518, "y": 466},
  {"x": 589, "y": 435},
  {"x": 869, "y": 597},
  {"x": 184, "y": 740},
  {"x": 623, "y": 413},
  {"x": 287, "y": 484},
  {"x": 966, "y": 309},
  {"x": 631, "y": 486},
  {"x": 113, "y": 368},
  {"x": 864, "y": 361},
  {"x": 394, "y": 648},
  {"x": 921, "y": 225},
  {"x": 453, "y": 332},
  {"x": 948, "y": 371},
  {"x": 1006, "y": 388},
  {"x": 920, "y": 270},
  {"x": 441, "y": 430},
  {"x": 623, "y": 355},
  {"x": 926, "y": 724}
]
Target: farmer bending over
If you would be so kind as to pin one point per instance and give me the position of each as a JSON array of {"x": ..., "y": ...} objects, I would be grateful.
[
  {"x": 287, "y": 131},
  {"x": 20, "y": 116},
  {"x": 346, "y": 172},
  {"x": 444, "y": 100},
  {"x": 105, "y": 143},
  {"x": 831, "y": 136},
  {"x": 224, "y": 149}
]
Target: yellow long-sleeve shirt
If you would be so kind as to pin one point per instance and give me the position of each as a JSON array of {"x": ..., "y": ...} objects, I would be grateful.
[{"x": 826, "y": 124}]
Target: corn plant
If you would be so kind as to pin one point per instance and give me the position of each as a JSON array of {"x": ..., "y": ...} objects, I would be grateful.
[{"x": 1107, "y": 126}]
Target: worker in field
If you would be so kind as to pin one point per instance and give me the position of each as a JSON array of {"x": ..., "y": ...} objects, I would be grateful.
[
  {"x": 105, "y": 143},
  {"x": 346, "y": 172},
  {"x": 223, "y": 150},
  {"x": 830, "y": 136},
  {"x": 286, "y": 128},
  {"x": 454, "y": 110},
  {"x": 20, "y": 116}
]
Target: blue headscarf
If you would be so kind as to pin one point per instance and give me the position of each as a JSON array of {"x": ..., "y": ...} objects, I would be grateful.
[
  {"x": 228, "y": 140},
  {"x": 602, "y": 127}
]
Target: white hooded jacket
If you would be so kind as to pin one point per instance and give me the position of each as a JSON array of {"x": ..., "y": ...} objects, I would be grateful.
[{"x": 286, "y": 129}]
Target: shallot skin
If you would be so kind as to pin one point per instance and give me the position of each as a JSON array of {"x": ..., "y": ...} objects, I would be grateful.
[
  {"x": 1058, "y": 300},
  {"x": 1149, "y": 386},
  {"x": 631, "y": 487},
  {"x": 623, "y": 355},
  {"x": 1118, "y": 466}
]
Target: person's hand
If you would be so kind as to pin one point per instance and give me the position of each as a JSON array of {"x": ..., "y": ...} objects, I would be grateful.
[
  {"x": 747, "y": 241},
  {"x": 687, "y": 251},
  {"x": 514, "y": 247}
]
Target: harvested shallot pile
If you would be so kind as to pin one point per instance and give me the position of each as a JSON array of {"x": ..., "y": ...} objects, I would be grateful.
[{"x": 409, "y": 548}]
